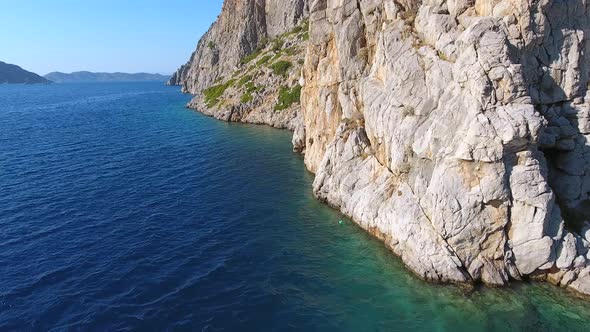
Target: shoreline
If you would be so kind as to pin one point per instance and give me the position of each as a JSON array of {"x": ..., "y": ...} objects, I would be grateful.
[{"x": 469, "y": 286}]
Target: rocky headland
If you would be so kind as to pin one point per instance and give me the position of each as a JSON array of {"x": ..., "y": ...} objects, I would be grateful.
[
  {"x": 454, "y": 130},
  {"x": 13, "y": 74}
]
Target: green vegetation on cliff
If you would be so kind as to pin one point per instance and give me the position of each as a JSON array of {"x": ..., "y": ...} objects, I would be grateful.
[
  {"x": 248, "y": 93},
  {"x": 280, "y": 68},
  {"x": 251, "y": 57},
  {"x": 263, "y": 60},
  {"x": 271, "y": 63},
  {"x": 288, "y": 97},
  {"x": 244, "y": 80},
  {"x": 213, "y": 93}
]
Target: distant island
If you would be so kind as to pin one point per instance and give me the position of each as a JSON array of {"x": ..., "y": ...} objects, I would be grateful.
[
  {"x": 13, "y": 74},
  {"x": 86, "y": 76}
]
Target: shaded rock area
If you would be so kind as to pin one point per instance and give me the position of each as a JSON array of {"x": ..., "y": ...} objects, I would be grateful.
[{"x": 455, "y": 131}]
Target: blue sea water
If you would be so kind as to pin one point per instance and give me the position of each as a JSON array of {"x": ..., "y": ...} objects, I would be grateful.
[{"x": 122, "y": 210}]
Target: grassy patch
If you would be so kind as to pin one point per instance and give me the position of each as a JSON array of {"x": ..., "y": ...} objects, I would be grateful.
[
  {"x": 250, "y": 57},
  {"x": 280, "y": 68},
  {"x": 261, "y": 45},
  {"x": 250, "y": 90},
  {"x": 246, "y": 98},
  {"x": 263, "y": 60},
  {"x": 303, "y": 27},
  {"x": 277, "y": 45},
  {"x": 276, "y": 57},
  {"x": 288, "y": 97},
  {"x": 211, "y": 45},
  {"x": 297, "y": 29},
  {"x": 244, "y": 80},
  {"x": 291, "y": 51},
  {"x": 213, "y": 93}
]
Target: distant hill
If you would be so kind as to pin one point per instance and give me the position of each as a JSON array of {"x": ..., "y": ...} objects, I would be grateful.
[
  {"x": 13, "y": 74},
  {"x": 86, "y": 76}
]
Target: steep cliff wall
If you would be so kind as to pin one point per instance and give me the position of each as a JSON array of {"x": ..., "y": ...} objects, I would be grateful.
[
  {"x": 238, "y": 31},
  {"x": 246, "y": 68},
  {"x": 454, "y": 130}
]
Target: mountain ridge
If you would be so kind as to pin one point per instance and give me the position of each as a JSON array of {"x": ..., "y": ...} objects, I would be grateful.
[
  {"x": 13, "y": 74},
  {"x": 87, "y": 76}
]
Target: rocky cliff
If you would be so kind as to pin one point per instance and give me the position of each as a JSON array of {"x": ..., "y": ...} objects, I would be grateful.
[
  {"x": 454, "y": 130},
  {"x": 240, "y": 29},
  {"x": 246, "y": 68}
]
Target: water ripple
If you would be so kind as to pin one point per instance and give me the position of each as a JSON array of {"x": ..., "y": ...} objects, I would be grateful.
[{"x": 122, "y": 210}]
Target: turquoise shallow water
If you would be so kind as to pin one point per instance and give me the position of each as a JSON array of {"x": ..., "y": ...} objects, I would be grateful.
[{"x": 122, "y": 210}]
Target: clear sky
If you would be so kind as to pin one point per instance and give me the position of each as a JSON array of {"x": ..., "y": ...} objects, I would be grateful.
[{"x": 155, "y": 36}]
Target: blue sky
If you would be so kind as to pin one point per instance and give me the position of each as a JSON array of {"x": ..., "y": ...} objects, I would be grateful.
[{"x": 103, "y": 35}]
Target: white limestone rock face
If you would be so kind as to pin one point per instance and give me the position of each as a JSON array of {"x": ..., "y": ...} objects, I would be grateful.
[
  {"x": 455, "y": 131},
  {"x": 582, "y": 282},
  {"x": 567, "y": 252},
  {"x": 283, "y": 15}
]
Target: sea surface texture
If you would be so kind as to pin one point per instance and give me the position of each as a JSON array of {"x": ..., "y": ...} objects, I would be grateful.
[{"x": 122, "y": 210}]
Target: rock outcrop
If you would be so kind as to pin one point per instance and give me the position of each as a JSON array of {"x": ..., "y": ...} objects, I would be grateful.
[
  {"x": 264, "y": 89},
  {"x": 454, "y": 130},
  {"x": 246, "y": 68}
]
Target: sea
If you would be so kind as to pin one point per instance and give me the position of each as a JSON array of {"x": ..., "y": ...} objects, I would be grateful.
[{"x": 122, "y": 210}]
